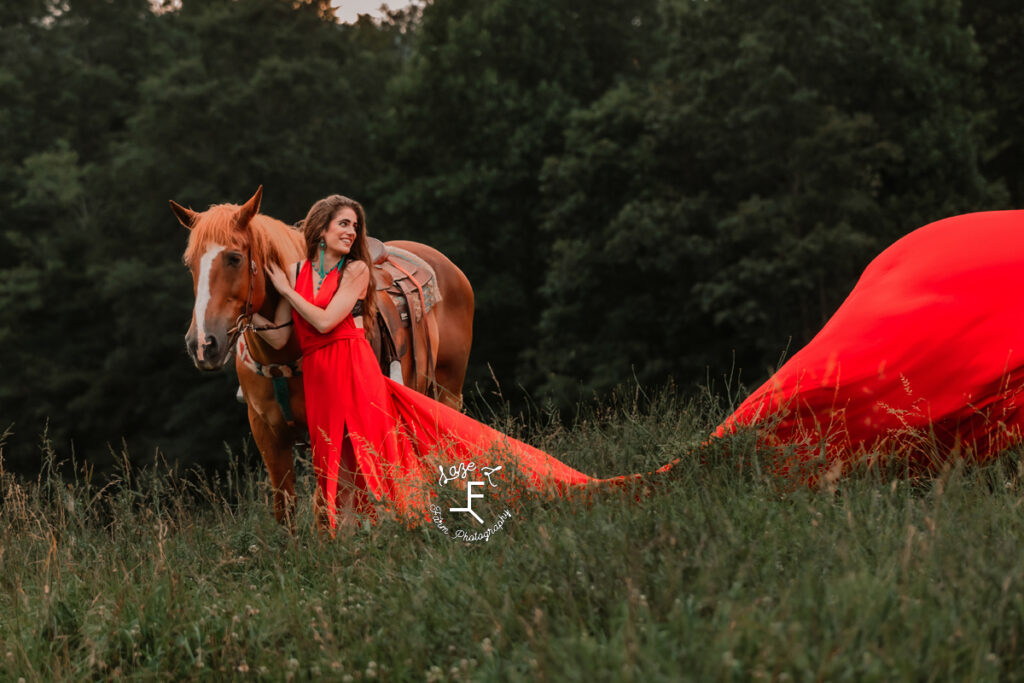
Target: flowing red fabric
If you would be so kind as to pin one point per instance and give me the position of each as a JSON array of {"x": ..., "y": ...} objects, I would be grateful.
[
  {"x": 925, "y": 358},
  {"x": 389, "y": 432}
]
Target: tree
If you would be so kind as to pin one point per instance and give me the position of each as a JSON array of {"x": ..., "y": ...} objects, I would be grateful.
[
  {"x": 741, "y": 191},
  {"x": 480, "y": 104},
  {"x": 997, "y": 26},
  {"x": 71, "y": 67}
]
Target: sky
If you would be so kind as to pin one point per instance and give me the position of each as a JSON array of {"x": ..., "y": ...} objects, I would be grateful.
[{"x": 349, "y": 10}]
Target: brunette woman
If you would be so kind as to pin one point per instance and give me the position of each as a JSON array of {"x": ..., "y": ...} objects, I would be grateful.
[{"x": 371, "y": 436}]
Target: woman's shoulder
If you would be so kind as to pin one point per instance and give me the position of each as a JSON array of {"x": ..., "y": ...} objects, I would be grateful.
[{"x": 357, "y": 267}]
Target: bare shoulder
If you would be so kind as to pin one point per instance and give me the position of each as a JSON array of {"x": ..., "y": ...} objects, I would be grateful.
[{"x": 357, "y": 269}]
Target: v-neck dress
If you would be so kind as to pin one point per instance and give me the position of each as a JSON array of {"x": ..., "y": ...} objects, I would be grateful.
[{"x": 397, "y": 435}]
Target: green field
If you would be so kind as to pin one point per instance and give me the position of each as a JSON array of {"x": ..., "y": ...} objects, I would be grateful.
[{"x": 720, "y": 574}]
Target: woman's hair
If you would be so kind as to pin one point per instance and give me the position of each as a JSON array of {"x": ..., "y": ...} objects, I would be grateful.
[{"x": 315, "y": 224}]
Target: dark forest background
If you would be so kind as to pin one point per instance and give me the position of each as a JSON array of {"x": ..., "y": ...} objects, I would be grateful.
[{"x": 640, "y": 191}]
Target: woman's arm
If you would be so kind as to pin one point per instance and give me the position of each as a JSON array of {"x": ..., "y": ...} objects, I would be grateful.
[
  {"x": 282, "y": 331},
  {"x": 282, "y": 315},
  {"x": 353, "y": 284}
]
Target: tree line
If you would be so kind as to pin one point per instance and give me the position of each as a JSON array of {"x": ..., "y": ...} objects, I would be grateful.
[{"x": 639, "y": 191}]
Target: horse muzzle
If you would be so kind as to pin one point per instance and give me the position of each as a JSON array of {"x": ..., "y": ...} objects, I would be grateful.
[{"x": 212, "y": 355}]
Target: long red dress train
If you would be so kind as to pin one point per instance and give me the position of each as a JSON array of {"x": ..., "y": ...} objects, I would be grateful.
[
  {"x": 387, "y": 431},
  {"x": 925, "y": 357}
]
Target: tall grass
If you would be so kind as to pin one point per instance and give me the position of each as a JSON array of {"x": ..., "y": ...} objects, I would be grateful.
[{"x": 723, "y": 573}]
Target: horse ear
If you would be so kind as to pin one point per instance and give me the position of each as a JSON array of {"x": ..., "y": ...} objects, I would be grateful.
[
  {"x": 249, "y": 209},
  {"x": 186, "y": 217}
]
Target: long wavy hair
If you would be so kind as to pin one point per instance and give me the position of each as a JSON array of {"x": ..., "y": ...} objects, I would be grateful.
[{"x": 313, "y": 227}]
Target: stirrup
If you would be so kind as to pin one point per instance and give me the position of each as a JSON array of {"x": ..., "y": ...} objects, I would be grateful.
[
  {"x": 239, "y": 396},
  {"x": 394, "y": 372}
]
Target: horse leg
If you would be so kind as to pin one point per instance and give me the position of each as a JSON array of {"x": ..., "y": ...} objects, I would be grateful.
[
  {"x": 276, "y": 449},
  {"x": 433, "y": 337},
  {"x": 451, "y": 355},
  {"x": 448, "y": 382}
]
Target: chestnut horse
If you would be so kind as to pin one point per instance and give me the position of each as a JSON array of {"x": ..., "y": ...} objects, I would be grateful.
[{"x": 227, "y": 250}]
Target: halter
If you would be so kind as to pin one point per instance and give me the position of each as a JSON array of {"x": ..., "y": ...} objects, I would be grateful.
[{"x": 243, "y": 323}]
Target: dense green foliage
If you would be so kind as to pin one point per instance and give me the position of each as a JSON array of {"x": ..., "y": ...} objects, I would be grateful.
[
  {"x": 649, "y": 190},
  {"x": 719, "y": 575},
  {"x": 748, "y": 180}
]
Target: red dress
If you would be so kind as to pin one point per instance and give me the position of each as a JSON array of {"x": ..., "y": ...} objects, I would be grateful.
[
  {"x": 388, "y": 429},
  {"x": 924, "y": 358}
]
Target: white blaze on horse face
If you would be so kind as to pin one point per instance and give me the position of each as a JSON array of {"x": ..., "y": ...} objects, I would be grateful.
[{"x": 203, "y": 295}]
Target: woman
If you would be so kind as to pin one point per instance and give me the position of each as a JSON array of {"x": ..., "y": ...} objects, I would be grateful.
[
  {"x": 370, "y": 434},
  {"x": 924, "y": 359}
]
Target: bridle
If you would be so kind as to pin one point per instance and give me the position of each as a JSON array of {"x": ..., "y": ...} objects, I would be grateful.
[
  {"x": 243, "y": 323},
  {"x": 278, "y": 373}
]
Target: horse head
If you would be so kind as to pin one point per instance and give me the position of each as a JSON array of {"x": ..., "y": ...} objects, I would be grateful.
[{"x": 225, "y": 253}]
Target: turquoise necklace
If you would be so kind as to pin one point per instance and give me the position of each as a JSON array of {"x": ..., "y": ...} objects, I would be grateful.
[{"x": 321, "y": 273}]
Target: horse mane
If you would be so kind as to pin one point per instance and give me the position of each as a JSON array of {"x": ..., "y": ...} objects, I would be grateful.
[{"x": 272, "y": 240}]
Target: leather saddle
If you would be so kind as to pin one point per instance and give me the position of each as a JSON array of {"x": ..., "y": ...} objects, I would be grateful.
[{"x": 407, "y": 289}]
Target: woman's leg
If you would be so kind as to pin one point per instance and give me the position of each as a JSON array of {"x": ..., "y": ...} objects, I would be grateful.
[{"x": 348, "y": 484}]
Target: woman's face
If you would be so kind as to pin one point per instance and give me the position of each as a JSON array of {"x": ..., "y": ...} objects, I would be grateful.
[{"x": 341, "y": 231}]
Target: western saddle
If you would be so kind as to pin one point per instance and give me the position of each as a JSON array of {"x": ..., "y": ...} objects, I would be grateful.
[{"x": 407, "y": 289}]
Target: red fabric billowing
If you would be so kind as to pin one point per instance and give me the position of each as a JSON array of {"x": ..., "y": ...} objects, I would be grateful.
[
  {"x": 389, "y": 431},
  {"x": 925, "y": 358}
]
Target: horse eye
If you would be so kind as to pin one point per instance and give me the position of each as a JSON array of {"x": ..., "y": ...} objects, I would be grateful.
[{"x": 234, "y": 259}]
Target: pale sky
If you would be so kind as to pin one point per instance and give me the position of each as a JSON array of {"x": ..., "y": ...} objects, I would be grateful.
[{"x": 349, "y": 10}]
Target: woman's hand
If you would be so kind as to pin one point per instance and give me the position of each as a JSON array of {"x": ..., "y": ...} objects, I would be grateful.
[{"x": 278, "y": 277}]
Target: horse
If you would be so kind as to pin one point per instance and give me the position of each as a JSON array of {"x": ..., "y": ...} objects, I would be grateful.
[{"x": 228, "y": 247}]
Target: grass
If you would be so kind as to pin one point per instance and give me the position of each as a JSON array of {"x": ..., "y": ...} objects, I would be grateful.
[{"x": 722, "y": 574}]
